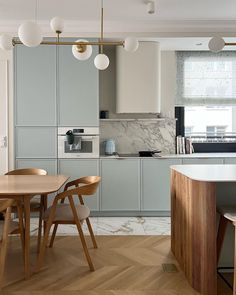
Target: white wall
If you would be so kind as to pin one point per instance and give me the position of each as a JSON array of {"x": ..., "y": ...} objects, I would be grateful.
[{"x": 8, "y": 56}]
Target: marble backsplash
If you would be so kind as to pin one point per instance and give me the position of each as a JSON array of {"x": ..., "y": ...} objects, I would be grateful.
[{"x": 132, "y": 136}]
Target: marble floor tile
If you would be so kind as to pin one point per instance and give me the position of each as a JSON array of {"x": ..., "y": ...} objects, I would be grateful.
[
  {"x": 116, "y": 226},
  {"x": 120, "y": 226}
]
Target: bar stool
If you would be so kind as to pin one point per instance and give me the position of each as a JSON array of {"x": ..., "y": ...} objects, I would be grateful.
[{"x": 227, "y": 214}]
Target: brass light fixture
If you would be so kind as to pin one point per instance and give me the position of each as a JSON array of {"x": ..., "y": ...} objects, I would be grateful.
[
  {"x": 30, "y": 35},
  {"x": 216, "y": 44}
]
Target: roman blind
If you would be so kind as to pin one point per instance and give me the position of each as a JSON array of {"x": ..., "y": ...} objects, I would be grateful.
[{"x": 206, "y": 78}]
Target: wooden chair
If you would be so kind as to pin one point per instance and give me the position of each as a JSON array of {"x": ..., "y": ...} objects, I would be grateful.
[
  {"x": 61, "y": 213},
  {"x": 35, "y": 205},
  {"x": 8, "y": 227},
  {"x": 227, "y": 214}
]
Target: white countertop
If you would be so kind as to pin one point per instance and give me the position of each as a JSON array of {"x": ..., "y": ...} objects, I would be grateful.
[
  {"x": 208, "y": 173},
  {"x": 174, "y": 156}
]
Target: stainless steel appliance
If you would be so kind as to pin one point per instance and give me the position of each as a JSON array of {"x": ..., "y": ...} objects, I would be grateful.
[{"x": 78, "y": 142}]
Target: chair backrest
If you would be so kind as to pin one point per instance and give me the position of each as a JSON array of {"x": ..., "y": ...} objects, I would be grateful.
[
  {"x": 6, "y": 203},
  {"x": 27, "y": 171},
  {"x": 89, "y": 187}
]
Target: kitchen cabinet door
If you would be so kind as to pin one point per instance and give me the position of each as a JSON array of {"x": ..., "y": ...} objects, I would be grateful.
[
  {"x": 36, "y": 142},
  {"x": 120, "y": 187},
  {"x": 49, "y": 165},
  {"x": 206, "y": 161},
  {"x": 78, "y": 89},
  {"x": 35, "y": 82},
  {"x": 79, "y": 168},
  {"x": 156, "y": 183}
]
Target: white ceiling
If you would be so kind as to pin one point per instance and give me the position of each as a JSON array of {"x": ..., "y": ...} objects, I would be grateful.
[{"x": 131, "y": 10}]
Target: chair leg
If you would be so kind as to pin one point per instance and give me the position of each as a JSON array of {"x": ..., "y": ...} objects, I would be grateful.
[
  {"x": 40, "y": 224},
  {"x": 91, "y": 233},
  {"x": 53, "y": 235},
  {"x": 81, "y": 234},
  {"x": 220, "y": 235},
  {"x": 21, "y": 227},
  {"x": 4, "y": 242},
  {"x": 45, "y": 239}
]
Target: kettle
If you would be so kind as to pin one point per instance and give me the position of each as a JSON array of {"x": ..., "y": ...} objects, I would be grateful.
[{"x": 110, "y": 147}]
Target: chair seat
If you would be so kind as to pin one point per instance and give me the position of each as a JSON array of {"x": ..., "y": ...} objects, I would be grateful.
[
  {"x": 228, "y": 212},
  {"x": 64, "y": 213},
  {"x": 13, "y": 227}
]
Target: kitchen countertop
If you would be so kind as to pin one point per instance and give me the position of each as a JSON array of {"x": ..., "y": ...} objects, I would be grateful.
[{"x": 173, "y": 156}]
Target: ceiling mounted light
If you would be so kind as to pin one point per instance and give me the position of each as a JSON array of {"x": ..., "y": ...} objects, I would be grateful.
[
  {"x": 30, "y": 35},
  {"x": 150, "y": 7}
]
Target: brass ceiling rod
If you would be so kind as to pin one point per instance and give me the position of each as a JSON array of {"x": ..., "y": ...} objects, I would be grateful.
[{"x": 99, "y": 43}]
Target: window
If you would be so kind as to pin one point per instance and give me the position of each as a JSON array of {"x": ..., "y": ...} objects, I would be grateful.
[
  {"x": 210, "y": 121},
  {"x": 205, "y": 78}
]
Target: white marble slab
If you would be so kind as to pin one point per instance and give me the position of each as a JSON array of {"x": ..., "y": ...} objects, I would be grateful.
[{"x": 116, "y": 226}]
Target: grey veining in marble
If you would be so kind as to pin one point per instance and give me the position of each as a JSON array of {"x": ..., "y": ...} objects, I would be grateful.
[
  {"x": 133, "y": 136},
  {"x": 115, "y": 226}
]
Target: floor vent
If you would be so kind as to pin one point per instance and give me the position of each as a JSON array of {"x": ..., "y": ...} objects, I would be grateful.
[{"x": 169, "y": 267}]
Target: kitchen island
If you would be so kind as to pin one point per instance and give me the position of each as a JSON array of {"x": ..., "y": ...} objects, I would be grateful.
[{"x": 193, "y": 221}]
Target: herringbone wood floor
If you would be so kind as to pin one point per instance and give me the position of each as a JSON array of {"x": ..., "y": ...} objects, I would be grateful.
[{"x": 124, "y": 265}]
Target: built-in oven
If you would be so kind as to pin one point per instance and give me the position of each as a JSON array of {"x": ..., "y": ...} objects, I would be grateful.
[{"x": 78, "y": 142}]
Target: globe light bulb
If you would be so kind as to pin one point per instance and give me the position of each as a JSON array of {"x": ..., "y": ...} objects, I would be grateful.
[
  {"x": 216, "y": 44},
  {"x": 57, "y": 24},
  {"x": 101, "y": 61},
  {"x": 30, "y": 34},
  {"x": 82, "y": 52},
  {"x": 6, "y": 42},
  {"x": 131, "y": 44}
]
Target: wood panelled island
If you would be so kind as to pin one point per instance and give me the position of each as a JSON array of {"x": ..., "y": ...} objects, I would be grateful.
[{"x": 193, "y": 221}]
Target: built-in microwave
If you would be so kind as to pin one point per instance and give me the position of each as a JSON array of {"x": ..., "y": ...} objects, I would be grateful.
[{"x": 78, "y": 142}]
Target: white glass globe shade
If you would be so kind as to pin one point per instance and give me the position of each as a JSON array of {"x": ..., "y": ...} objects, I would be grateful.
[
  {"x": 30, "y": 34},
  {"x": 101, "y": 61},
  {"x": 131, "y": 44},
  {"x": 57, "y": 24},
  {"x": 6, "y": 42},
  {"x": 216, "y": 44},
  {"x": 82, "y": 55}
]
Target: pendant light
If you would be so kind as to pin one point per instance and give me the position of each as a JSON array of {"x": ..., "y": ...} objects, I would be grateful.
[
  {"x": 30, "y": 35},
  {"x": 29, "y": 32}
]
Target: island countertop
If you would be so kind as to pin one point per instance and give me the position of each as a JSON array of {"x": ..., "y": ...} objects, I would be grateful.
[{"x": 208, "y": 173}]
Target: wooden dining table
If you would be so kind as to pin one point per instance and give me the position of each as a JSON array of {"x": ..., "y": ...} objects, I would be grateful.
[{"x": 24, "y": 187}]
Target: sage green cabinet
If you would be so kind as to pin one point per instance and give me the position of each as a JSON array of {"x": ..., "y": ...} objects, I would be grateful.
[
  {"x": 156, "y": 183},
  {"x": 203, "y": 161},
  {"x": 35, "y": 86},
  {"x": 36, "y": 142},
  {"x": 79, "y": 168},
  {"x": 47, "y": 164},
  {"x": 120, "y": 186},
  {"x": 77, "y": 89}
]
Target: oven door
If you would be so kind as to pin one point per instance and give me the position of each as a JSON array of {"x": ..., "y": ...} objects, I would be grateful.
[{"x": 83, "y": 147}]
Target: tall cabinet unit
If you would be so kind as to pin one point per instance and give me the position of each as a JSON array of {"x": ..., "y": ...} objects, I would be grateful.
[
  {"x": 35, "y": 107},
  {"x": 52, "y": 88}
]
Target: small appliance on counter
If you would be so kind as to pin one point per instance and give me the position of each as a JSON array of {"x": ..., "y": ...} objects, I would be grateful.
[{"x": 110, "y": 147}]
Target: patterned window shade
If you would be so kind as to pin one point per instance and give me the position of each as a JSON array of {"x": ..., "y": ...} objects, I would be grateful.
[{"x": 205, "y": 78}]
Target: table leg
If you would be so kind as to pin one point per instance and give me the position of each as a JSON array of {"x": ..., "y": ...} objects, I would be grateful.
[{"x": 27, "y": 236}]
